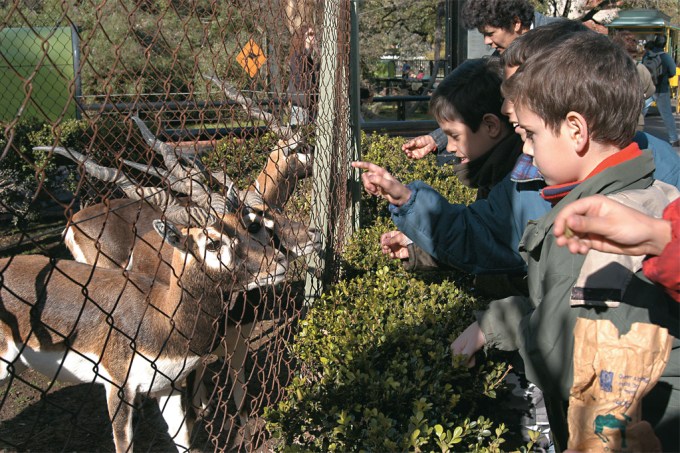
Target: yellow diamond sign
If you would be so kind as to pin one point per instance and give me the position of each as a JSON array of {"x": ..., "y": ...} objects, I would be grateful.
[{"x": 251, "y": 58}]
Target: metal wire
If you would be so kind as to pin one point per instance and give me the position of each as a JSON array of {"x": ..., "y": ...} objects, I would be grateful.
[{"x": 213, "y": 81}]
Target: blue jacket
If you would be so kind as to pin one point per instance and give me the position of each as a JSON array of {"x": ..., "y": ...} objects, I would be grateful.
[
  {"x": 483, "y": 237},
  {"x": 668, "y": 71}
]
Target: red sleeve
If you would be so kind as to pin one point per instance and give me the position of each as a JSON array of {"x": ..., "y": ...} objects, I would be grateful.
[{"x": 665, "y": 268}]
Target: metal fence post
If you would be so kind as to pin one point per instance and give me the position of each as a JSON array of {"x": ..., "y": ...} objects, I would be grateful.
[{"x": 323, "y": 154}]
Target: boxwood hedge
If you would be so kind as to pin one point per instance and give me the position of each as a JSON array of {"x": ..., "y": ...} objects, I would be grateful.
[{"x": 375, "y": 370}]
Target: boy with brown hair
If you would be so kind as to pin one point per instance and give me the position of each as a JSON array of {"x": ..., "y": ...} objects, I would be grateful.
[{"x": 579, "y": 123}]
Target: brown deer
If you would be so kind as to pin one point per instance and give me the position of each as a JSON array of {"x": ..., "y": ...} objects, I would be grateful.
[
  {"x": 117, "y": 233},
  {"x": 105, "y": 234},
  {"x": 126, "y": 330}
]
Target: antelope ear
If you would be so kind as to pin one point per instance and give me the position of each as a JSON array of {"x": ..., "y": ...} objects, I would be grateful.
[{"x": 168, "y": 231}]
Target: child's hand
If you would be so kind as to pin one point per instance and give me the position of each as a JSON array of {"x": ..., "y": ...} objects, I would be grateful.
[
  {"x": 419, "y": 147},
  {"x": 599, "y": 223},
  {"x": 469, "y": 342},
  {"x": 377, "y": 181},
  {"x": 394, "y": 244}
]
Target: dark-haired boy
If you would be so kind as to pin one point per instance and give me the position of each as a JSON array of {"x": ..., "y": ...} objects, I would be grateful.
[
  {"x": 467, "y": 106},
  {"x": 579, "y": 129},
  {"x": 500, "y": 22}
]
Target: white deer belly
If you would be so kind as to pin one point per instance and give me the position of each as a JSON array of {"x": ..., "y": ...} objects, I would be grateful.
[
  {"x": 145, "y": 374},
  {"x": 66, "y": 366},
  {"x": 157, "y": 375}
]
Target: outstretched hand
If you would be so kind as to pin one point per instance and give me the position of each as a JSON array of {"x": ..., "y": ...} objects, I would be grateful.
[
  {"x": 599, "y": 223},
  {"x": 395, "y": 244},
  {"x": 469, "y": 342},
  {"x": 419, "y": 147},
  {"x": 379, "y": 182}
]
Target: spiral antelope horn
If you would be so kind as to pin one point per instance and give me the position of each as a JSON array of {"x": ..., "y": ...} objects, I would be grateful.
[
  {"x": 191, "y": 182},
  {"x": 174, "y": 211},
  {"x": 289, "y": 139}
]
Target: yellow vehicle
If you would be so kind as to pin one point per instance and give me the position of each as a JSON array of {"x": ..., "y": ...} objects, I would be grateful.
[{"x": 645, "y": 24}]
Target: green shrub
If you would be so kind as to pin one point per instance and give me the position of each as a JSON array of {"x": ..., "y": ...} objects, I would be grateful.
[
  {"x": 377, "y": 373},
  {"x": 27, "y": 176},
  {"x": 375, "y": 369}
]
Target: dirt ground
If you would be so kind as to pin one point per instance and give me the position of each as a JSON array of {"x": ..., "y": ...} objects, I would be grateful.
[
  {"x": 37, "y": 415},
  {"x": 65, "y": 417}
]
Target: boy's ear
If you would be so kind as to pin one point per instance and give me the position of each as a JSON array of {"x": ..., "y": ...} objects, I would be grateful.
[
  {"x": 516, "y": 25},
  {"x": 493, "y": 125},
  {"x": 577, "y": 128}
]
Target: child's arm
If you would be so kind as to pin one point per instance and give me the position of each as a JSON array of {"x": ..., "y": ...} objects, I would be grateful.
[
  {"x": 379, "y": 182},
  {"x": 600, "y": 223}
]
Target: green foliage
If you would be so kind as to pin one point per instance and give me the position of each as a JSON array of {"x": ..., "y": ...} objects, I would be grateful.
[
  {"x": 157, "y": 48},
  {"x": 406, "y": 29},
  {"x": 362, "y": 252},
  {"x": 241, "y": 159},
  {"x": 386, "y": 152},
  {"x": 375, "y": 369},
  {"x": 27, "y": 175},
  {"x": 378, "y": 375}
]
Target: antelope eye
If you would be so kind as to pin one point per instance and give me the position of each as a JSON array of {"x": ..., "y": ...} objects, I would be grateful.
[{"x": 213, "y": 245}]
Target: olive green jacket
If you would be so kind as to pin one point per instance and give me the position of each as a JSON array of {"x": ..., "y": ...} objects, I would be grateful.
[{"x": 562, "y": 289}]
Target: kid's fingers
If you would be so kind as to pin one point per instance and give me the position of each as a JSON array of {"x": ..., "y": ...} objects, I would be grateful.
[
  {"x": 369, "y": 167},
  {"x": 391, "y": 237}
]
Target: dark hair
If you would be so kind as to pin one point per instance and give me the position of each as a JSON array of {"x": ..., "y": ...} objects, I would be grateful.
[
  {"x": 583, "y": 73},
  {"x": 539, "y": 40},
  {"x": 297, "y": 41},
  {"x": 627, "y": 41},
  {"x": 659, "y": 41},
  {"x": 497, "y": 13},
  {"x": 471, "y": 91}
]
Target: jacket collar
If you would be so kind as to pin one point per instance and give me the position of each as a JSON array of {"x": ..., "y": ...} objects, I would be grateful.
[
  {"x": 637, "y": 173},
  {"x": 555, "y": 193},
  {"x": 489, "y": 169},
  {"x": 525, "y": 171}
]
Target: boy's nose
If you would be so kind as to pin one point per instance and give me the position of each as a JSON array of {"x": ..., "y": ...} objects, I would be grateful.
[
  {"x": 528, "y": 149},
  {"x": 508, "y": 110}
]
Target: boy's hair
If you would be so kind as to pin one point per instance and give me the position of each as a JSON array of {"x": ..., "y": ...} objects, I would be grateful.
[
  {"x": 626, "y": 40},
  {"x": 471, "y": 91},
  {"x": 497, "y": 13},
  {"x": 584, "y": 74},
  {"x": 538, "y": 40}
]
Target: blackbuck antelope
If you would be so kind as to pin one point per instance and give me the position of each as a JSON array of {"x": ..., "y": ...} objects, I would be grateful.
[
  {"x": 128, "y": 331},
  {"x": 118, "y": 233},
  {"x": 105, "y": 234}
]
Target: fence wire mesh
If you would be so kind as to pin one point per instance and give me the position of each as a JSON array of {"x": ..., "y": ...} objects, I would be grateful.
[{"x": 172, "y": 194}]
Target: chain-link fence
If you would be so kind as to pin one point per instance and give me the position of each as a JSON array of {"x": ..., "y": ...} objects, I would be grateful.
[{"x": 173, "y": 193}]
